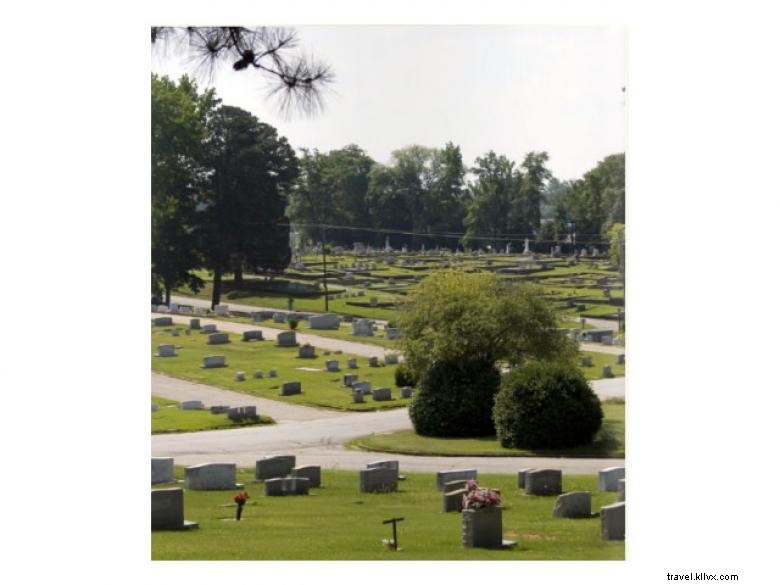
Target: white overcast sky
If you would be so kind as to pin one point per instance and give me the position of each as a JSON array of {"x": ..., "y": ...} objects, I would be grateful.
[{"x": 512, "y": 89}]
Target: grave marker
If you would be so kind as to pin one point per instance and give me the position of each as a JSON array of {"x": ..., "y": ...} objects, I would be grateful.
[{"x": 210, "y": 476}]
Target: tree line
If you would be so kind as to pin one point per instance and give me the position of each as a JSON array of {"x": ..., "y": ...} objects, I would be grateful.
[{"x": 226, "y": 188}]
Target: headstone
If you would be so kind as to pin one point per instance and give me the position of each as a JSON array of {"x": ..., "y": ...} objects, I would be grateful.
[
  {"x": 392, "y": 332},
  {"x": 373, "y": 362},
  {"x": 609, "y": 477},
  {"x": 240, "y": 377},
  {"x": 391, "y": 359},
  {"x": 166, "y": 350},
  {"x": 287, "y": 486},
  {"x": 607, "y": 372},
  {"x": 210, "y": 328},
  {"x": 483, "y": 527},
  {"x": 406, "y": 391},
  {"x": 237, "y": 413},
  {"x": 306, "y": 351},
  {"x": 349, "y": 379},
  {"x": 452, "y": 501},
  {"x": 175, "y": 333},
  {"x": 357, "y": 397},
  {"x": 219, "y": 409},
  {"x": 361, "y": 387},
  {"x": 332, "y": 365},
  {"x": 174, "y": 307},
  {"x": 572, "y": 505},
  {"x": 374, "y": 301},
  {"x": 162, "y": 309},
  {"x": 352, "y": 363},
  {"x": 455, "y": 484},
  {"x": 363, "y": 327},
  {"x": 621, "y": 491},
  {"x": 521, "y": 476},
  {"x": 258, "y": 374},
  {"x": 214, "y": 361},
  {"x": 274, "y": 466},
  {"x": 154, "y": 407},
  {"x": 543, "y": 482},
  {"x": 221, "y": 311},
  {"x": 210, "y": 476},
  {"x": 613, "y": 522},
  {"x": 606, "y": 340},
  {"x": 162, "y": 470},
  {"x": 253, "y": 335},
  {"x": 443, "y": 477},
  {"x": 310, "y": 472},
  {"x": 187, "y": 332},
  {"x": 378, "y": 479},
  {"x": 163, "y": 321},
  {"x": 621, "y": 359},
  {"x": 381, "y": 394},
  {"x": 286, "y": 339},
  {"x": 384, "y": 464},
  {"x": 327, "y": 321},
  {"x": 290, "y": 388},
  {"x": 218, "y": 338},
  {"x": 272, "y": 373},
  {"x": 586, "y": 361},
  {"x": 279, "y": 317},
  {"x": 191, "y": 405},
  {"x": 168, "y": 510}
]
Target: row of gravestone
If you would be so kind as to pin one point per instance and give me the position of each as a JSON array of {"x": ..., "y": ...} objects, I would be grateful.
[
  {"x": 361, "y": 389},
  {"x": 545, "y": 482},
  {"x": 234, "y": 413}
]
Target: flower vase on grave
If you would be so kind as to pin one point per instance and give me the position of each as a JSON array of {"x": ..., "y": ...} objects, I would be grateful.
[
  {"x": 240, "y": 499},
  {"x": 481, "y": 517}
]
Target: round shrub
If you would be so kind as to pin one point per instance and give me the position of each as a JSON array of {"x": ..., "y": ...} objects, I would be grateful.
[
  {"x": 404, "y": 376},
  {"x": 455, "y": 399},
  {"x": 546, "y": 406}
]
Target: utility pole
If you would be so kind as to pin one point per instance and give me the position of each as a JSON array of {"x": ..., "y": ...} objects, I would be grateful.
[{"x": 324, "y": 271}]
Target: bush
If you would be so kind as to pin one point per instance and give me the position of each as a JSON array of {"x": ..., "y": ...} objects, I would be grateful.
[
  {"x": 455, "y": 399},
  {"x": 546, "y": 406},
  {"x": 293, "y": 324},
  {"x": 404, "y": 376}
]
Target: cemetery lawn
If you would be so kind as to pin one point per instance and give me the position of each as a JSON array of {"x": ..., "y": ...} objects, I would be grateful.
[
  {"x": 596, "y": 371},
  {"x": 170, "y": 419},
  {"x": 337, "y": 522},
  {"x": 320, "y": 388},
  {"x": 609, "y": 441}
]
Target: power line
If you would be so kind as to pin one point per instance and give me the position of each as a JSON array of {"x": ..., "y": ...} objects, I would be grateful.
[{"x": 456, "y": 235}]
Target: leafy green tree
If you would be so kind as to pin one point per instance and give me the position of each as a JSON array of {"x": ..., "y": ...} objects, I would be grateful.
[
  {"x": 617, "y": 246},
  {"x": 179, "y": 115},
  {"x": 597, "y": 200},
  {"x": 332, "y": 189},
  {"x": 506, "y": 200},
  {"x": 454, "y": 315},
  {"x": 493, "y": 197},
  {"x": 458, "y": 329},
  {"x": 242, "y": 212}
]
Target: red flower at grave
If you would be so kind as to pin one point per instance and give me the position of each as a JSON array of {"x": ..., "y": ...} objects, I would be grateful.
[{"x": 240, "y": 498}]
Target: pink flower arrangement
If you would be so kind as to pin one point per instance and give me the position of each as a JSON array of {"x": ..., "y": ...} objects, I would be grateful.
[{"x": 477, "y": 497}]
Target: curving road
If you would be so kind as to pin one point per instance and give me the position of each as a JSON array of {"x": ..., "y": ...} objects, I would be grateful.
[{"x": 316, "y": 436}]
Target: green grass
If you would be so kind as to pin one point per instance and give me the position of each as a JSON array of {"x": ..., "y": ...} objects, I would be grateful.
[
  {"x": 320, "y": 388},
  {"x": 609, "y": 442},
  {"x": 596, "y": 371},
  {"x": 170, "y": 419},
  {"x": 337, "y": 522}
]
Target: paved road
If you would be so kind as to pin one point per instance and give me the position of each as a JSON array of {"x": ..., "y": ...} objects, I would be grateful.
[{"x": 316, "y": 436}]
